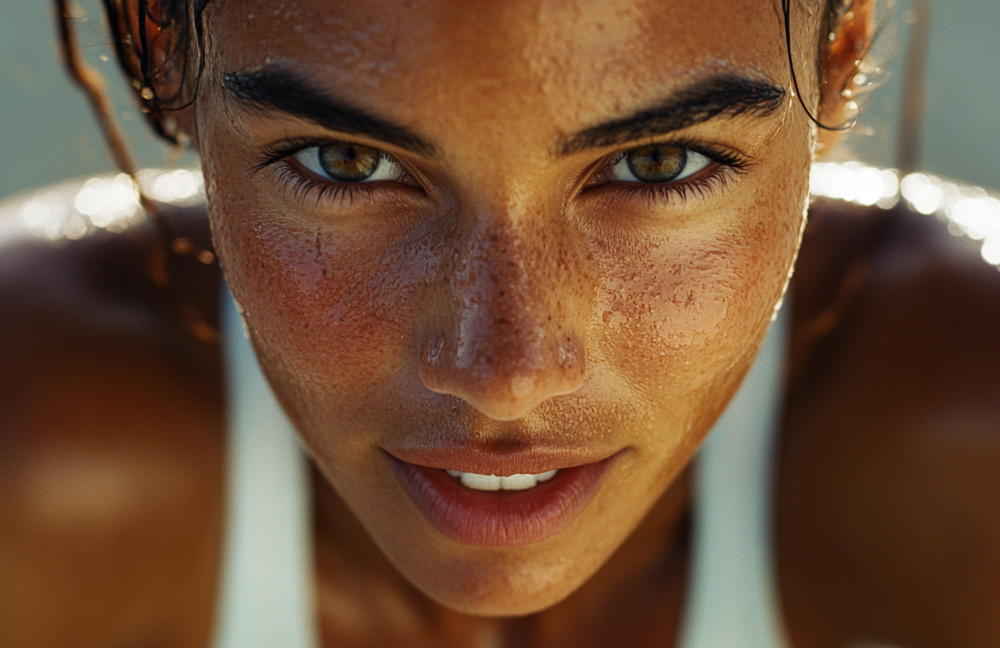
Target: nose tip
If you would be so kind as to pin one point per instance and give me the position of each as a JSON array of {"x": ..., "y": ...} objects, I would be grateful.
[{"x": 505, "y": 376}]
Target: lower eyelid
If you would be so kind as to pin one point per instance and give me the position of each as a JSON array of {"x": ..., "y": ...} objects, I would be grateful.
[
  {"x": 698, "y": 185},
  {"x": 302, "y": 186}
]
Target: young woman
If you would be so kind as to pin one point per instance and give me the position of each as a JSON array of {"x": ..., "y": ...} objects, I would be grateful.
[{"x": 504, "y": 264}]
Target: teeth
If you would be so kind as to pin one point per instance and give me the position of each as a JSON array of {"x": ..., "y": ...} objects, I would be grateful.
[
  {"x": 518, "y": 482},
  {"x": 494, "y": 483},
  {"x": 546, "y": 476},
  {"x": 480, "y": 482}
]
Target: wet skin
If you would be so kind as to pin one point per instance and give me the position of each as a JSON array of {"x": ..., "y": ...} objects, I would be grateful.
[{"x": 506, "y": 297}]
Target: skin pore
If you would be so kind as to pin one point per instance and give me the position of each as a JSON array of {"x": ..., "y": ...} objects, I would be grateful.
[{"x": 506, "y": 292}]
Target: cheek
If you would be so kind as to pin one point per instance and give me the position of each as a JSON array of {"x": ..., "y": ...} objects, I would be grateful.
[
  {"x": 332, "y": 317},
  {"x": 676, "y": 293},
  {"x": 685, "y": 308}
]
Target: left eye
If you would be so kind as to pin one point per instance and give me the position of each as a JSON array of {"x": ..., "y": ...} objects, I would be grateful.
[
  {"x": 657, "y": 164},
  {"x": 348, "y": 162}
]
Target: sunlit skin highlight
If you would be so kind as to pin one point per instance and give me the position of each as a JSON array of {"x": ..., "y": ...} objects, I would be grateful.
[{"x": 502, "y": 296}]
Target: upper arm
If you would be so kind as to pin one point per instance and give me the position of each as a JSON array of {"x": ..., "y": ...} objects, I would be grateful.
[
  {"x": 110, "y": 453},
  {"x": 889, "y": 497}
]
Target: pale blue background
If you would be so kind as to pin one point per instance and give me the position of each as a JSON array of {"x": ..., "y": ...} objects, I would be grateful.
[{"x": 47, "y": 133}]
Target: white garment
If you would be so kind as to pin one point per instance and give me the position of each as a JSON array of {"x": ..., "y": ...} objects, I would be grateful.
[
  {"x": 266, "y": 595},
  {"x": 732, "y": 599}
]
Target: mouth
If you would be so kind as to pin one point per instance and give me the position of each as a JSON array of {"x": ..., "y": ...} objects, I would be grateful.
[{"x": 503, "y": 507}]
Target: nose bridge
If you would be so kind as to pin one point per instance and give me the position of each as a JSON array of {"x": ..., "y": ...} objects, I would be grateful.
[
  {"x": 499, "y": 300},
  {"x": 508, "y": 342}
]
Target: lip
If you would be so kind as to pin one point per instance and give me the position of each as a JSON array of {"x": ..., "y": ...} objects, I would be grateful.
[{"x": 499, "y": 518}]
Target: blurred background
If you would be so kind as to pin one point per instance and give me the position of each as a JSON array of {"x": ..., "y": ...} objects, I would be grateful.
[{"x": 47, "y": 132}]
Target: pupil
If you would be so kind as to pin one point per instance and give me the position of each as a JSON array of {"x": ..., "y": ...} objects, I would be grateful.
[
  {"x": 657, "y": 163},
  {"x": 348, "y": 162}
]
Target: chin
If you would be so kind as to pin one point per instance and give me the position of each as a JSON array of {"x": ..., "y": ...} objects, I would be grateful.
[
  {"x": 506, "y": 588},
  {"x": 502, "y": 581}
]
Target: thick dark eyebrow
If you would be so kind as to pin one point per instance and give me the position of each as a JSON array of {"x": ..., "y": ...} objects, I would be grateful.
[
  {"x": 277, "y": 89},
  {"x": 724, "y": 96}
]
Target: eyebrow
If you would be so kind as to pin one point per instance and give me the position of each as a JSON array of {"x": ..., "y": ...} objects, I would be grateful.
[
  {"x": 722, "y": 96},
  {"x": 277, "y": 89}
]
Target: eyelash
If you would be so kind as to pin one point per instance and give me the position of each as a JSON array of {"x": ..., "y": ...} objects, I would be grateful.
[
  {"x": 726, "y": 165},
  {"x": 301, "y": 184}
]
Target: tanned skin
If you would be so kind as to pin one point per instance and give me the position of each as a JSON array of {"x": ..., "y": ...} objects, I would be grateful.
[{"x": 111, "y": 407}]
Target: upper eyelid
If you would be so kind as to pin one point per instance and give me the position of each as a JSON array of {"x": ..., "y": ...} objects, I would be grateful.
[
  {"x": 712, "y": 151},
  {"x": 737, "y": 161},
  {"x": 284, "y": 150},
  {"x": 289, "y": 147}
]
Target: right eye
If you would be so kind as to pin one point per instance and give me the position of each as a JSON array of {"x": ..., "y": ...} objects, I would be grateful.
[{"x": 349, "y": 163}]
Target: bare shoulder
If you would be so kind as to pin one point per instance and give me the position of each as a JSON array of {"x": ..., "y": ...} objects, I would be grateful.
[
  {"x": 110, "y": 429},
  {"x": 889, "y": 506}
]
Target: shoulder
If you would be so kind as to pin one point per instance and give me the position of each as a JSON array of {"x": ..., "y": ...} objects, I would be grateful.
[
  {"x": 889, "y": 515},
  {"x": 75, "y": 280},
  {"x": 110, "y": 422}
]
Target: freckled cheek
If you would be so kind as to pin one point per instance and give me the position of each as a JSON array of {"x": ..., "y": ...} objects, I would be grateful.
[
  {"x": 334, "y": 321},
  {"x": 678, "y": 295},
  {"x": 687, "y": 307}
]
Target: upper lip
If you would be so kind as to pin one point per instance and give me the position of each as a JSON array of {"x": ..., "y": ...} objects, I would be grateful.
[{"x": 503, "y": 461}]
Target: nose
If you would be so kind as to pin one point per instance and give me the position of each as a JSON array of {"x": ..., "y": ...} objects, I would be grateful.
[{"x": 510, "y": 337}]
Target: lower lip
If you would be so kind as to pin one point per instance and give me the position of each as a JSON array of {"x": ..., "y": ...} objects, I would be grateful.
[{"x": 500, "y": 518}]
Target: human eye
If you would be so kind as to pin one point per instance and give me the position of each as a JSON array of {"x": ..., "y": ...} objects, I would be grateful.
[
  {"x": 333, "y": 169},
  {"x": 671, "y": 171},
  {"x": 658, "y": 163},
  {"x": 349, "y": 162}
]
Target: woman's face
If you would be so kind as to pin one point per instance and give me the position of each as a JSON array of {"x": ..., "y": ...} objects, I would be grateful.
[{"x": 503, "y": 238}]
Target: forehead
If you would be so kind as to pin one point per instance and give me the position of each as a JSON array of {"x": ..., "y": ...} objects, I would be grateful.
[{"x": 571, "y": 61}]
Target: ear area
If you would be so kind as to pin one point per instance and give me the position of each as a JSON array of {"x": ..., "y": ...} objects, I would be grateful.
[
  {"x": 153, "y": 41},
  {"x": 847, "y": 41}
]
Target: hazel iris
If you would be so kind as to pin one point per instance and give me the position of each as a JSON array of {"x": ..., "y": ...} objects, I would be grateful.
[
  {"x": 657, "y": 163},
  {"x": 349, "y": 162}
]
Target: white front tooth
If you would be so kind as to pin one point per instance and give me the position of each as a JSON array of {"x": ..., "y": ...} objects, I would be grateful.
[
  {"x": 454, "y": 473},
  {"x": 546, "y": 476},
  {"x": 481, "y": 482},
  {"x": 518, "y": 482}
]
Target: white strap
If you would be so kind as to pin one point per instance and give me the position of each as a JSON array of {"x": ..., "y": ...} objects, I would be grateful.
[
  {"x": 266, "y": 597},
  {"x": 732, "y": 598}
]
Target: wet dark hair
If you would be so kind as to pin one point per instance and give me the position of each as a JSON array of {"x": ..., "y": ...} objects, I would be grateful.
[{"x": 153, "y": 41}]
